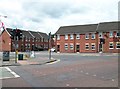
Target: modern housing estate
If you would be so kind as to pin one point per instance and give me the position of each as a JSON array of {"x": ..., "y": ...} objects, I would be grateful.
[
  {"x": 31, "y": 41},
  {"x": 90, "y": 38}
]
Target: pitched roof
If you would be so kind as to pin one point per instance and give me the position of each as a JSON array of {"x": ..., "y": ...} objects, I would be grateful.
[
  {"x": 44, "y": 35},
  {"x": 25, "y": 33},
  {"x": 35, "y": 34},
  {"x": 82, "y": 29},
  {"x": 108, "y": 26}
]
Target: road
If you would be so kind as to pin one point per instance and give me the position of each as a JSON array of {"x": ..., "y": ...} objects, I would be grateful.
[{"x": 73, "y": 70}]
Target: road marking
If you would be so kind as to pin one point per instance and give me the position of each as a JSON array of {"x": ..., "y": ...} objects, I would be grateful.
[
  {"x": 12, "y": 72},
  {"x": 94, "y": 75},
  {"x": 113, "y": 80},
  {"x": 81, "y": 71},
  {"x": 67, "y": 85},
  {"x": 87, "y": 73}
]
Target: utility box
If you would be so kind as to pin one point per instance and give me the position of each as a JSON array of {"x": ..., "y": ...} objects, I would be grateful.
[
  {"x": 20, "y": 56},
  {"x": 6, "y": 56}
]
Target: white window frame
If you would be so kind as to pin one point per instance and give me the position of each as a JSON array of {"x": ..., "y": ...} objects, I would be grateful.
[
  {"x": 66, "y": 46},
  {"x": 92, "y": 35},
  {"x": 71, "y": 36},
  {"x": 100, "y": 33},
  {"x": 111, "y": 34},
  {"x": 87, "y": 45},
  {"x": 117, "y": 33},
  {"x": 66, "y": 36},
  {"x": 111, "y": 45},
  {"x": 58, "y": 37},
  {"x": 117, "y": 45},
  {"x": 71, "y": 46},
  {"x": 77, "y": 36},
  {"x": 93, "y": 46},
  {"x": 87, "y": 36}
]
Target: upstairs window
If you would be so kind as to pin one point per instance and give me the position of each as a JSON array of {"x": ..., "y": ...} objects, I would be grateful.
[
  {"x": 58, "y": 37},
  {"x": 118, "y": 33},
  {"x": 71, "y": 36},
  {"x": 66, "y": 36},
  {"x": 100, "y": 35},
  {"x": 78, "y": 36},
  {"x": 93, "y": 36},
  {"x": 110, "y": 34},
  {"x": 87, "y": 36}
]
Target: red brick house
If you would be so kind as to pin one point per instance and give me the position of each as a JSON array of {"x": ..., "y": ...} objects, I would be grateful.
[
  {"x": 92, "y": 38},
  {"x": 31, "y": 41}
]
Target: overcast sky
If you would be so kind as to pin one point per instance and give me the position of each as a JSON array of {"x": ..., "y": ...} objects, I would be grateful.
[{"x": 49, "y": 15}]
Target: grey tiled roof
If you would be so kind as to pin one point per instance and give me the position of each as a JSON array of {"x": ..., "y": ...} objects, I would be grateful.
[
  {"x": 35, "y": 34},
  {"x": 25, "y": 33},
  {"x": 82, "y": 29},
  {"x": 44, "y": 35},
  {"x": 108, "y": 26}
]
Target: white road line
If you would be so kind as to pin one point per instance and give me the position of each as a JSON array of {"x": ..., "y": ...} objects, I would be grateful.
[
  {"x": 12, "y": 72},
  {"x": 94, "y": 75},
  {"x": 81, "y": 71},
  {"x": 87, "y": 73},
  {"x": 113, "y": 80},
  {"x": 67, "y": 85}
]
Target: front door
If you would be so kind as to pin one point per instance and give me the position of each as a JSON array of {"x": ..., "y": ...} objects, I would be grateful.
[
  {"x": 77, "y": 48},
  {"x": 100, "y": 47},
  {"x": 58, "y": 48}
]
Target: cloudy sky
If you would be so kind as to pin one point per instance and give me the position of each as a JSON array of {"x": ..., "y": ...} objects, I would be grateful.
[{"x": 48, "y": 15}]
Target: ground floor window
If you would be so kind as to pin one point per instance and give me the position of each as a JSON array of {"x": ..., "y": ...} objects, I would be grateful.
[
  {"x": 118, "y": 45},
  {"x": 111, "y": 45},
  {"x": 66, "y": 46},
  {"x": 93, "y": 46},
  {"x": 71, "y": 46},
  {"x": 87, "y": 46}
]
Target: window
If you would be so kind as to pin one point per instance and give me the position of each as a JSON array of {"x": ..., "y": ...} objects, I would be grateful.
[
  {"x": 86, "y": 36},
  {"x": 118, "y": 34},
  {"x": 66, "y": 37},
  {"x": 87, "y": 46},
  {"x": 100, "y": 35},
  {"x": 111, "y": 45},
  {"x": 29, "y": 38},
  {"x": 110, "y": 34},
  {"x": 71, "y": 46},
  {"x": 118, "y": 45},
  {"x": 93, "y": 35},
  {"x": 93, "y": 46},
  {"x": 71, "y": 36},
  {"x": 77, "y": 36},
  {"x": 58, "y": 37},
  {"x": 33, "y": 40},
  {"x": 26, "y": 38},
  {"x": 66, "y": 46}
]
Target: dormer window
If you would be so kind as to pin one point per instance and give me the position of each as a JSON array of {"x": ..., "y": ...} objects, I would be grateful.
[
  {"x": 100, "y": 35},
  {"x": 58, "y": 37},
  {"x": 111, "y": 34}
]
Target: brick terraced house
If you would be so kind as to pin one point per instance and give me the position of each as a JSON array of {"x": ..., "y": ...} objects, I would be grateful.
[
  {"x": 31, "y": 41},
  {"x": 91, "y": 38}
]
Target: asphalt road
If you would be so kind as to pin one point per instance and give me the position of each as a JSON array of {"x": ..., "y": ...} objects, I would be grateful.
[{"x": 73, "y": 70}]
